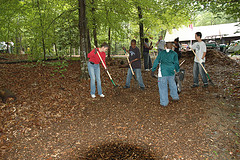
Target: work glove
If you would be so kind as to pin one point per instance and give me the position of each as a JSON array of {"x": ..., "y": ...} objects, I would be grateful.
[{"x": 95, "y": 51}]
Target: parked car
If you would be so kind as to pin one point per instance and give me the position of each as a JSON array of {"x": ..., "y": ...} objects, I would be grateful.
[
  {"x": 234, "y": 47},
  {"x": 211, "y": 44}
]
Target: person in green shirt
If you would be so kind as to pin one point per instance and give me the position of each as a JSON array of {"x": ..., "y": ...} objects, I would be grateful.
[{"x": 168, "y": 65}]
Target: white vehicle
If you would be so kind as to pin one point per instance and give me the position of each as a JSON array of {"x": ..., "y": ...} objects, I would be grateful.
[{"x": 233, "y": 47}]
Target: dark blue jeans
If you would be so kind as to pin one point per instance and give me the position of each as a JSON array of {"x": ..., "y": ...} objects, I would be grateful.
[
  {"x": 138, "y": 77},
  {"x": 197, "y": 68}
]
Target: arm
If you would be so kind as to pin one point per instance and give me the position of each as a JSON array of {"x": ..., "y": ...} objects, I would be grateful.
[
  {"x": 157, "y": 43},
  {"x": 204, "y": 51},
  {"x": 176, "y": 63},
  {"x": 204, "y": 54},
  {"x": 156, "y": 62},
  {"x": 147, "y": 46},
  {"x": 194, "y": 46},
  {"x": 103, "y": 56},
  {"x": 151, "y": 46},
  {"x": 91, "y": 54},
  {"x": 134, "y": 60}
]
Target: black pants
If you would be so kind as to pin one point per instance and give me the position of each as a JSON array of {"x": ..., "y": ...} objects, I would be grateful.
[{"x": 147, "y": 60}]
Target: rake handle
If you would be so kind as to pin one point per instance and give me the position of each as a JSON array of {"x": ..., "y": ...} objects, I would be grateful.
[
  {"x": 129, "y": 64},
  {"x": 105, "y": 67},
  {"x": 200, "y": 63}
]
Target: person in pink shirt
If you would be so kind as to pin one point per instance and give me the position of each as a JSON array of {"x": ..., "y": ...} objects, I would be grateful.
[{"x": 94, "y": 68}]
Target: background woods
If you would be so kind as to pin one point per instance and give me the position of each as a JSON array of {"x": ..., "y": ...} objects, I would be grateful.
[{"x": 44, "y": 28}]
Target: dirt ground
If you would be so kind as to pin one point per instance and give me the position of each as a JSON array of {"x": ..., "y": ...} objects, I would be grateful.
[{"x": 54, "y": 116}]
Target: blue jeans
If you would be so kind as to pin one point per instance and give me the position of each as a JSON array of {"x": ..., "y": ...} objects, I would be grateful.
[
  {"x": 197, "y": 68},
  {"x": 147, "y": 60},
  {"x": 138, "y": 75},
  {"x": 94, "y": 73},
  {"x": 163, "y": 89}
]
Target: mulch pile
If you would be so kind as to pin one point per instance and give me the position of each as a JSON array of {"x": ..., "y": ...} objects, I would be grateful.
[{"x": 54, "y": 116}]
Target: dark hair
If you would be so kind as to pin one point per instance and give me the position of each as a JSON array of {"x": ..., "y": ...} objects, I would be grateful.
[
  {"x": 199, "y": 34},
  {"x": 146, "y": 39},
  {"x": 133, "y": 41},
  {"x": 105, "y": 45},
  {"x": 176, "y": 39}
]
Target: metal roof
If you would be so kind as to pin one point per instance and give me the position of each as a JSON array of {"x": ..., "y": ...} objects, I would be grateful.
[{"x": 187, "y": 33}]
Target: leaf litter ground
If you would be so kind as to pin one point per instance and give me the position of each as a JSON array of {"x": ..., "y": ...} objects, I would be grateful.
[{"x": 54, "y": 116}]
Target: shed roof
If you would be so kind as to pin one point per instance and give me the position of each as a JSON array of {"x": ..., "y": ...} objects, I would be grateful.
[{"x": 187, "y": 33}]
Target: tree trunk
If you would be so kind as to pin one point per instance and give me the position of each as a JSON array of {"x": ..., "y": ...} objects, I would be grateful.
[
  {"x": 141, "y": 29},
  {"x": 94, "y": 25},
  {"x": 109, "y": 42},
  {"x": 42, "y": 28},
  {"x": 88, "y": 41},
  {"x": 83, "y": 38}
]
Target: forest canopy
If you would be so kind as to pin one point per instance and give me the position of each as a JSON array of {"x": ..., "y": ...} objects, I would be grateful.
[{"x": 46, "y": 27}]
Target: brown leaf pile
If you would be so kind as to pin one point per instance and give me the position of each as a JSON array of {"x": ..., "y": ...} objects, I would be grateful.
[{"x": 54, "y": 116}]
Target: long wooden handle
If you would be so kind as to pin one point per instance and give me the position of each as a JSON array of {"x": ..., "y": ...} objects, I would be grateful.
[
  {"x": 182, "y": 63},
  {"x": 104, "y": 65},
  {"x": 129, "y": 63},
  {"x": 199, "y": 61}
]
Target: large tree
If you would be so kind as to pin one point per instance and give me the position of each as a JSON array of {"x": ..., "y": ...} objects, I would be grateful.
[{"x": 83, "y": 38}]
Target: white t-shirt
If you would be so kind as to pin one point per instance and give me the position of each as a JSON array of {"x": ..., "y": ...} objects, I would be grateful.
[
  {"x": 200, "y": 48},
  {"x": 161, "y": 44}
]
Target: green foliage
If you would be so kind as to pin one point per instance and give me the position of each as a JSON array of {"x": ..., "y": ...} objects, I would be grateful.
[
  {"x": 41, "y": 24},
  {"x": 208, "y": 18},
  {"x": 59, "y": 67}
]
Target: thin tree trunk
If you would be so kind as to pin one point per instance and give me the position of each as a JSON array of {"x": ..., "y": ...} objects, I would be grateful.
[
  {"x": 83, "y": 38},
  {"x": 41, "y": 23},
  {"x": 141, "y": 29},
  {"x": 94, "y": 25},
  {"x": 88, "y": 41},
  {"x": 109, "y": 41}
]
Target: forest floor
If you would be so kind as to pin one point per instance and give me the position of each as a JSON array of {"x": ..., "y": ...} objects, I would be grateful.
[{"x": 54, "y": 116}]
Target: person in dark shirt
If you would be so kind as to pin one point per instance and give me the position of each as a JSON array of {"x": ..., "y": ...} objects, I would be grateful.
[
  {"x": 177, "y": 48},
  {"x": 134, "y": 58},
  {"x": 146, "y": 56}
]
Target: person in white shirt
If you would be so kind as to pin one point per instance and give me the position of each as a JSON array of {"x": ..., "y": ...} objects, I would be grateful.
[
  {"x": 201, "y": 51},
  {"x": 160, "y": 44}
]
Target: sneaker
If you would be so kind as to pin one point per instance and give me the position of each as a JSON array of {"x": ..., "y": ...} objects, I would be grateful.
[
  {"x": 194, "y": 86},
  {"x": 142, "y": 88},
  {"x": 102, "y": 95},
  {"x": 147, "y": 69},
  {"x": 205, "y": 86},
  {"x": 93, "y": 95},
  {"x": 125, "y": 87}
]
